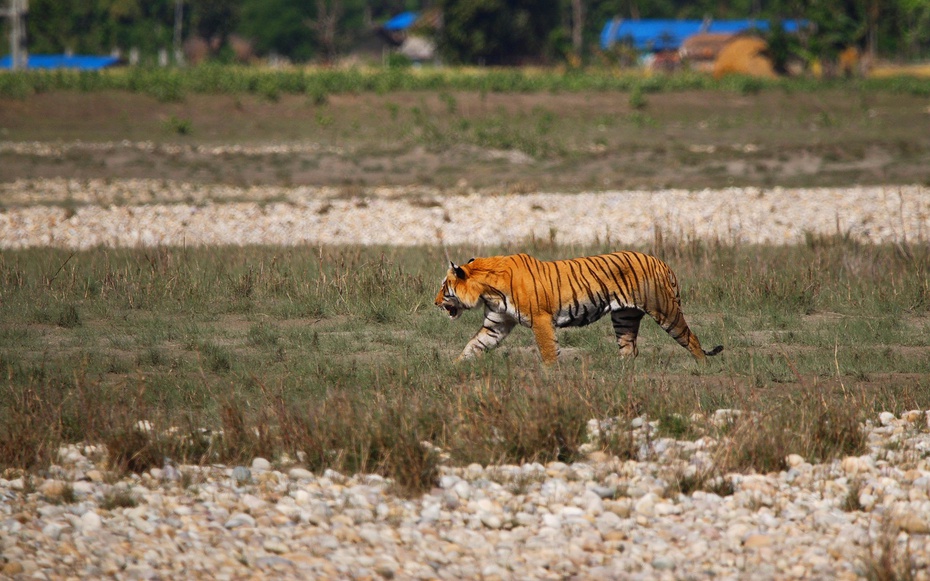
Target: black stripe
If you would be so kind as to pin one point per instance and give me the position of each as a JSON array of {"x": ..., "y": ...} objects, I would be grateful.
[
  {"x": 609, "y": 272},
  {"x": 553, "y": 268},
  {"x": 577, "y": 283},
  {"x": 633, "y": 278},
  {"x": 526, "y": 265},
  {"x": 623, "y": 285},
  {"x": 591, "y": 263}
]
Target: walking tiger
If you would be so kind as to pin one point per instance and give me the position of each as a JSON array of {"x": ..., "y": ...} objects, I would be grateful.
[{"x": 566, "y": 293}]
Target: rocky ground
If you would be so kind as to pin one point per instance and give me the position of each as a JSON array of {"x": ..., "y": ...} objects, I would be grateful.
[
  {"x": 599, "y": 519},
  {"x": 91, "y": 213}
]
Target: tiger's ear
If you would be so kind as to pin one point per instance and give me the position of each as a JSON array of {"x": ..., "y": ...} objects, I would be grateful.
[{"x": 458, "y": 270}]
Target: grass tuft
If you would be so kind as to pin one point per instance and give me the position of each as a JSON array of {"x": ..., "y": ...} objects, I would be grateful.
[
  {"x": 118, "y": 497},
  {"x": 886, "y": 560},
  {"x": 69, "y": 317},
  {"x": 810, "y": 425}
]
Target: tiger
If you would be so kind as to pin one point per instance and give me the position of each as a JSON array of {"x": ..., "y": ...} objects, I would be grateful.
[{"x": 545, "y": 295}]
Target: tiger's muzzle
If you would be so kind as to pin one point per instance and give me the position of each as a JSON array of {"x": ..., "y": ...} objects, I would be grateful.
[
  {"x": 449, "y": 303},
  {"x": 451, "y": 306},
  {"x": 453, "y": 311}
]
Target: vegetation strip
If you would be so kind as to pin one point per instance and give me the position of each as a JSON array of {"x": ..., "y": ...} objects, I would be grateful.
[{"x": 173, "y": 84}]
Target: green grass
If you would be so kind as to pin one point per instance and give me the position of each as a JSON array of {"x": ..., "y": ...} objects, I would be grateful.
[
  {"x": 339, "y": 353},
  {"x": 170, "y": 85}
]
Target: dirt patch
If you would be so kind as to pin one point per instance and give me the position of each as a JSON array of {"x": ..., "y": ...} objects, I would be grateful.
[{"x": 566, "y": 142}]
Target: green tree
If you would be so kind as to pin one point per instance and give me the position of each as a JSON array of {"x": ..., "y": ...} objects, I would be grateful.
[
  {"x": 278, "y": 26},
  {"x": 496, "y": 32},
  {"x": 214, "y": 21},
  {"x": 913, "y": 17},
  {"x": 838, "y": 24},
  {"x": 99, "y": 27},
  {"x": 302, "y": 30}
]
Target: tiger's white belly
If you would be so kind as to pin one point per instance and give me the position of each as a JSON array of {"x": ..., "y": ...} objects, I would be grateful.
[
  {"x": 585, "y": 313},
  {"x": 571, "y": 315}
]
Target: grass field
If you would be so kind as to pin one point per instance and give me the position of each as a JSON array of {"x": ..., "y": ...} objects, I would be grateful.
[
  {"x": 690, "y": 138},
  {"x": 339, "y": 354},
  {"x": 336, "y": 356}
]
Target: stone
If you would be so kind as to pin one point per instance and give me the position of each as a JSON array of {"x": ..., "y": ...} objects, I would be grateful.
[
  {"x": 866, "y": 501},
  {"x": 850, "y": 465},
  {"x": 462, "y": 489},
  {"x": 663, "y": 563},
  {"x": 277, "y": 547},
  {"x": 83, "y": 488},
  {"x": 299, "y": 474},
  {"x": 430, "y": 513},
  {"x": 912, "y": 416},
  {"x": 12, "y": 569},
  {"x": 54, "y": 489},
  {"x": 90, "y": 522},
  {"x": 239, "y": 519},
  {"x": 605, "y": 491},
  {"x": 645, "y": 505},
  {"x": 490, "y": 520},
  {"x": 757, "y": 541},
  {"x": 252, "y": 502},
  {"x": 170, "y": 473},
  {"x": 886, "y": 418},
  {"x": 724, "y": 417},
  {"x": 53, "y": 531},
  {"x": 913, "y": 524},
  {"x": 260, "y": 465},
  {"x": 241, "y": 475}
]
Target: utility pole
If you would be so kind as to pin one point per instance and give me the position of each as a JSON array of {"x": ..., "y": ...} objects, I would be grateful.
[
  {"x": 178, "y": 22},
  {"x": 577, "y": 27},
  {"x": 17, "y": 16}
]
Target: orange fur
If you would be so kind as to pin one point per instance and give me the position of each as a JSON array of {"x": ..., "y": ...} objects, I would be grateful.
[{"x": 519, "y": 289}]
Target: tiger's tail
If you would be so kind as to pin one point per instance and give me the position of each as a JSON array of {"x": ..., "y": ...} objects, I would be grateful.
[
  {"x": 672, "y": 319},
  {"x": 713, "y": 351},
  {"x": 689, "y": 341}
]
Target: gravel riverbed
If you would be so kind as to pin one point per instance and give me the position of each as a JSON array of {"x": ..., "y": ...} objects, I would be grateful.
[
  {"x": 599, "y": 519},
  {"x": 91, "y": 213}
]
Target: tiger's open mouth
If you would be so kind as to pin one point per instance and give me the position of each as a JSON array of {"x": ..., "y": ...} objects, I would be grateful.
[{"x": 452, "y": 310}]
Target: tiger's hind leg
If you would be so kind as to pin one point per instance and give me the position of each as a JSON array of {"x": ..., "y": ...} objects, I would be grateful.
[{"x": 626, "y": 328}]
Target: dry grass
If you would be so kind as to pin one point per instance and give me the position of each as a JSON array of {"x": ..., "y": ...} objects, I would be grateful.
[{"x": 337, "y": 357}]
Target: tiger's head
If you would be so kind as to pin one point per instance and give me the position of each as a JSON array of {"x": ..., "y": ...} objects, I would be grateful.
[{"x": 459, "y": 291}]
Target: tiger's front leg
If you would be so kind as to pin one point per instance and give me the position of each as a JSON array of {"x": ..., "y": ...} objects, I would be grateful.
[
  {"x": 546, "y": 340},
  {"x": 495, "y": 329}
]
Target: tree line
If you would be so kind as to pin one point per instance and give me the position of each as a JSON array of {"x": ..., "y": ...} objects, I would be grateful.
[{"x": 493, "y": 32}]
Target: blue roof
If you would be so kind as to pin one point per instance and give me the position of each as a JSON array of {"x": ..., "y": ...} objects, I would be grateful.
[
  {"x": 402, "y": 21},
  {"x": 651, "y": 34},
  {"x": 659, "y": 34},
  {"x": 61, "y": 61},
  {"x": 737, "y": 26}
]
